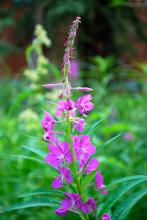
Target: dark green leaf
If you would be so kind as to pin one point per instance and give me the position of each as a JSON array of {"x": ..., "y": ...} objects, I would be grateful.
[
  {"x": 92, "y": 129},
  {"x": 125, "y": 207},
  {"x": 42, "y": 192},
  {"x": 127, "y": 179},
  {"x": 28, "y": 158},
  {"x": 35, "y": 150},
  {"x": 108, "y": 142},
  {"x": 116, "y": 195},
  {"x": 88, "y": 179},
  {"x": 32, "y": 203}
]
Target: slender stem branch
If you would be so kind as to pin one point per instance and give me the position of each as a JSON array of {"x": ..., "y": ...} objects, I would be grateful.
[{"x": 69, "y": 137}]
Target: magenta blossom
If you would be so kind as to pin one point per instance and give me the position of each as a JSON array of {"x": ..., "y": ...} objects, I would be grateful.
[
  {"x": 73, "y": 200},
  {"x": 88, "y": 206},
  {"x": 99, "y": 181},
  {"x": 84, "y": 104},
  {"x": 68, "y": 105},
  {"x": 79, "y": 124},
  {"x": 105, "y": 192},
  {"x": 59, "y": 154},
  {"x": 83, "y": 148},
  {"x": 48, "y": 136},
  {"x": 106, "y": 217},
  {"x": 91, "y": 166},
  {"x": 47, "y": 122},
  {"x": 64, "y": 174}
]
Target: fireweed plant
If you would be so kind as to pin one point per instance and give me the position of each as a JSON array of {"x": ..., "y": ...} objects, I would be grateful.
[{"x": 70, "y": 152}]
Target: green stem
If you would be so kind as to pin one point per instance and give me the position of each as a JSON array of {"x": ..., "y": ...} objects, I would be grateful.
[
  {"x": 69, "y": 138},
  {"x": 76, "y": 177}
]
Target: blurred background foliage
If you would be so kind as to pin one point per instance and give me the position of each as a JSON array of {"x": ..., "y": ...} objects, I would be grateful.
[{"x": 107, "y": 59}]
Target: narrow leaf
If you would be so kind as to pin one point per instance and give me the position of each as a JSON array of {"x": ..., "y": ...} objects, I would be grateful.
[
  {"x": 42, "y": 192},
  {"x": 115, "y": 196},
  {"x": 29, "y": 158},
  {"x": 88, "y": 179},
  {"x": 32, "y": 203},
  {"x": 125, "y": 207},
  {"x": 92, "y": 129},
  {"x": 35, "y": 150},
  {"x": 126, "y": 179},
  {"x": 108, "y": 142}
]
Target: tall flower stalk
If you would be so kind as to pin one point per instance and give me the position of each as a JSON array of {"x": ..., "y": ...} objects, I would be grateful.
[{"x": 71, "y": 153}]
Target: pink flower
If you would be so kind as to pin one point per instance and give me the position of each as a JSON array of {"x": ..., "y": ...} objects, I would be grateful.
[
  {"x": 83, "y": 148},
  {"x": 73, "y": 200},
  {"x": 106, "y": 217},
  {"x": 91, "y": 166},
  {"x": 48, "y": 125},
  {"x": 84, "y": 104},
  {"x": 68, "y": 105},
  {"x": 48, "y": 136},
  {"x": 59, "y": 154},
  {"x": 47, "y": 122},
  {"x": 105, "y": 192},
  {"x": 64, "y": 174},
  {"x": 79, "y": 124},
  {"x": 99, "y": 181},
  {"x": 88, "y": 206}
]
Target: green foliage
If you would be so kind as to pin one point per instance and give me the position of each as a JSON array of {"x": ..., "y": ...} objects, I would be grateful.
[
  {"x": 33, "y": 203},
  {"x": 42, "y": 192},
  {"x": 124, "y": 208},
  {"x": 116, "y": 194}
]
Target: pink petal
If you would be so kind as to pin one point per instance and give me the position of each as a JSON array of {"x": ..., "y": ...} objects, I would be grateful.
[
  {"x": 57, "y": 183},
  {"x": 91, "y": 166}
]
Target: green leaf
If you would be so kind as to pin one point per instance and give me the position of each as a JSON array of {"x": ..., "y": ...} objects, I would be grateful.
[
  {"x": 33, "y": 203},
  {"x": 88, "y": 178},
  {"x": 116, "y": 195},
  {"x": 42, "y": 192},
  {"x": 125, "y": 207},
  {"x": 126, "y": 179},
  {"x": 108, "y": 142},
  {"x": 39, "y": 152},
  {"x": 35, "y": 150},
  {"x": 28, "y": 158},
  {"x": 20, "y": 98},
  {"x": 92, "y": 129}
]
